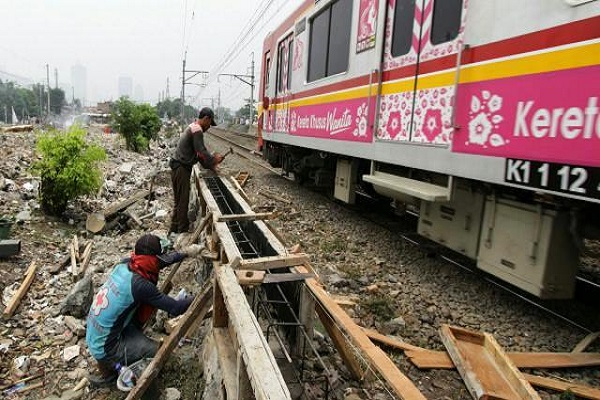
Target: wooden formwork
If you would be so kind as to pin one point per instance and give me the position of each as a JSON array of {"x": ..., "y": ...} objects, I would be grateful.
[{"x": 237, "y": 334}]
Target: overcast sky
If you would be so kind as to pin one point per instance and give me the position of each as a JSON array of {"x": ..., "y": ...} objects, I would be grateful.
[{"x": 142, "y": 39}]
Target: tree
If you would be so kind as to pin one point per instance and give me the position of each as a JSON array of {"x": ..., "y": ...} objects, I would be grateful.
[
  {"x": 137, "y": 123},
  {"x": 172, "y": 108},
  {"x": 68, "y": 168},
  {"x": 57, "y": 100}
]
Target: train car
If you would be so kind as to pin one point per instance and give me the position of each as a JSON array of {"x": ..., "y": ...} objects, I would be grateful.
[{"x": 483, "y": 114}]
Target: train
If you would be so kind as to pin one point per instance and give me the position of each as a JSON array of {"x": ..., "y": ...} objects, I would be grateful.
[{"x": 480, "y": 115}]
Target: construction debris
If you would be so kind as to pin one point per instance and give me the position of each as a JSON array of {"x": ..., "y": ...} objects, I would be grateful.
[{"x": 16, "y": 299}]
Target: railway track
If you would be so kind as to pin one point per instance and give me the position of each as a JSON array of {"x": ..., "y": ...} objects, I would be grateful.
[{"x": 587, "y": 291}]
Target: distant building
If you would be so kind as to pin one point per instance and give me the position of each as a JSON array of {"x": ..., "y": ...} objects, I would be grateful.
[
  {"x": 138, "y": 94},
  {"x": 125, "y": 86},
  {"x": 79, "y": 82}
]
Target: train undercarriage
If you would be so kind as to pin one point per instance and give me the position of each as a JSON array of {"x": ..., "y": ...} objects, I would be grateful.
[{"x": 529, "y": 239}]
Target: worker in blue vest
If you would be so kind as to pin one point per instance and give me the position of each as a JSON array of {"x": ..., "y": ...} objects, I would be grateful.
[{"x": 125, "y": 302}]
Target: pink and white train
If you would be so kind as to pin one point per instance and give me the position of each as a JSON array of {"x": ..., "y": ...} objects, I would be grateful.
[{"x": 483, "y": 113}]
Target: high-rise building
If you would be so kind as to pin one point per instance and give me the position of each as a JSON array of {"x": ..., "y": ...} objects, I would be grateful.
[
  {"x": 138, "y": 94},
  {"x": 79, "y": 82},
  {"x": 125, "y": 86}
]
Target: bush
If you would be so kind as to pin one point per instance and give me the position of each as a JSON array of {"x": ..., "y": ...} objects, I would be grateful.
[
  {"x": 68, "y": 168},
  {"x": 137, "y": 123}
]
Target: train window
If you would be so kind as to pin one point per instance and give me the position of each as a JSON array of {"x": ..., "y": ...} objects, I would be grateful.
[
  {"x": 284, "y": 71},
  {"x": 267, "y": 69},
  {"x": 329, "y": 47},
  {"x": 404, "y": 18},
  {"x": 339, "y": 37},
  {"x": 317, "y": 53},
  {"x": 446, "y": 20}
]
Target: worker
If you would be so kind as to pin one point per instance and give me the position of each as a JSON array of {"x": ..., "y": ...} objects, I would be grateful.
[
  {"x": 190, "y": 150},
  {"x": 125, "y": 302}
]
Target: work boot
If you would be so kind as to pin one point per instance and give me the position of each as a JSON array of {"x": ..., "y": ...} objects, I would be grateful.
[{"x": 105, "y": 377}]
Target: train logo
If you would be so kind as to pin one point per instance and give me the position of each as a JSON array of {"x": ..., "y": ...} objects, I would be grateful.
[{"x": 484, "y": 120}]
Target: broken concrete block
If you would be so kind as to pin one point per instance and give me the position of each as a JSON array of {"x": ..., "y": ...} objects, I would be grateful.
[
  {"x": 79, "y": 300},
  {"x": 9, "y": 247}
]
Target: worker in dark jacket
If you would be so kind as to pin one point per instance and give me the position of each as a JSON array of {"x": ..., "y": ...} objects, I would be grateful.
[
  {"x": 125, "y": 302},
  {"x": 190, "y": 150}
]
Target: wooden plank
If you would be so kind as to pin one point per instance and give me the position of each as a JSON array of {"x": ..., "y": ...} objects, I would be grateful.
[
  {"x": 585, "y": 342},
  {"x": 583, "y": 391},
  {"x": 403, "y": 387},
  {"x": 485, "y": 369},
  {"x": 87, "y": 255},
  {"x": 265, "y": 263},
  {"x": 341, "y": 344},
  {"x": 250, "y": 278},
  {"x": 166, "y": 285},
  {"x": 244, "y": 217},
  {"x": 240, "y": 190},
  {"x": 274, "y": 197},
  {"x": 286, "y": 277},
  {"x": 16, "y": 298},
  {"x": 74, "y": 271},
  {"x": 429, "y": 359},
  {"x": 201, "y": 315},
  {"x": 167, "y": 347},
  {"x": 388, "y": 341},
  {"x": 261, "y": 366},
  {"x": 76, "y": 247},
  {"x": 116, "y": 207},
  {"x": 227, "y": 359}
]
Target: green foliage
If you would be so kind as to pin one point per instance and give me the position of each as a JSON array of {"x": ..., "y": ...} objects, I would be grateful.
[
  {"x": 172, "y": 109},
  {"x": 68, "y": 168},
  {"x": 28, "y": 102},
  {"x": 137, "y": 123}
]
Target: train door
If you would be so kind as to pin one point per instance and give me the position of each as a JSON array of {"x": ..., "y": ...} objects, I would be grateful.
[
  {"x": 419, "y": 70},
  {"x": 399, "y": 70},
  {"x": 441, "y": 33},
  {"x": 265, "y": 119},
  {"x": 283, "y": 83}
]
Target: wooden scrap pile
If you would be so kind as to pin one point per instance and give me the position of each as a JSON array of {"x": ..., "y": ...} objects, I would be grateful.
[
  {"x": 489, "y": 372},
  {"x": 118, "y": 214}
]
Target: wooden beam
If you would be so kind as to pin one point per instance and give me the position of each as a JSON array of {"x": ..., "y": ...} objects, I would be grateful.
[
  {"x": 166, "y": 285},
  {"x": 585, "y": 342},
  {"x": 244, "y": 217},
  {"x": 167, "y": 347},
  {"x": 87, "y": 255},
  {"x": 16, "y": 298},
  {"x": 385, "y": 340},
  {"x": 250, "y": 278},
  {"x": 429, "y": 359},
  {"x": 579, "y": 390},
  {"x": 265, "y": 263},
  {"x": 339, "y": 340},
  {"x": 274, "y": 197},
  {"x": 74, "y": 271},
  {"x": 261, "y": 366},
  {"x": 403, "y": 387},
  {"x": 486, "y": 371},
  {"x": 116, "y": 207}
]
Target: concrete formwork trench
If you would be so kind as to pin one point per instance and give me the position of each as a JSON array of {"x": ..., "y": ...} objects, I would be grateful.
[{"x": 267, "y": 302}]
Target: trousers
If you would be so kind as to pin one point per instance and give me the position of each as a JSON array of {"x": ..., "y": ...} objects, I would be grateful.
[{"x": 180, "y": 179}]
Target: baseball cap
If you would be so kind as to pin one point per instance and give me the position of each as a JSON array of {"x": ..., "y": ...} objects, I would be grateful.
[
  {"x": 148, "y": 245},
  {"x": 208, "y": 112}
]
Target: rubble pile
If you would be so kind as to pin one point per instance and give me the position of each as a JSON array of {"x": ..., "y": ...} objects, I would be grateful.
[{"x": 42, "y": 345}]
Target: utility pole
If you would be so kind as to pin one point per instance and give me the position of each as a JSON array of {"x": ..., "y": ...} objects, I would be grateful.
[
  {"x": 41, "y": 86},
  {"x": 248, "y": 80},
  {"x": 184, "y": 81},
  {"x": 168, "y": 88},
  {"x": 48, "y": 84},
  {"x": 6, "y": 113},
  {"x": 55, "y": 78}
]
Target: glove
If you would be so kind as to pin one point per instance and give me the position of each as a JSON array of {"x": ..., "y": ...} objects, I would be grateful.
[
  {"x": 218, "y": 158},
  {"x": 192, "y": 250}
]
